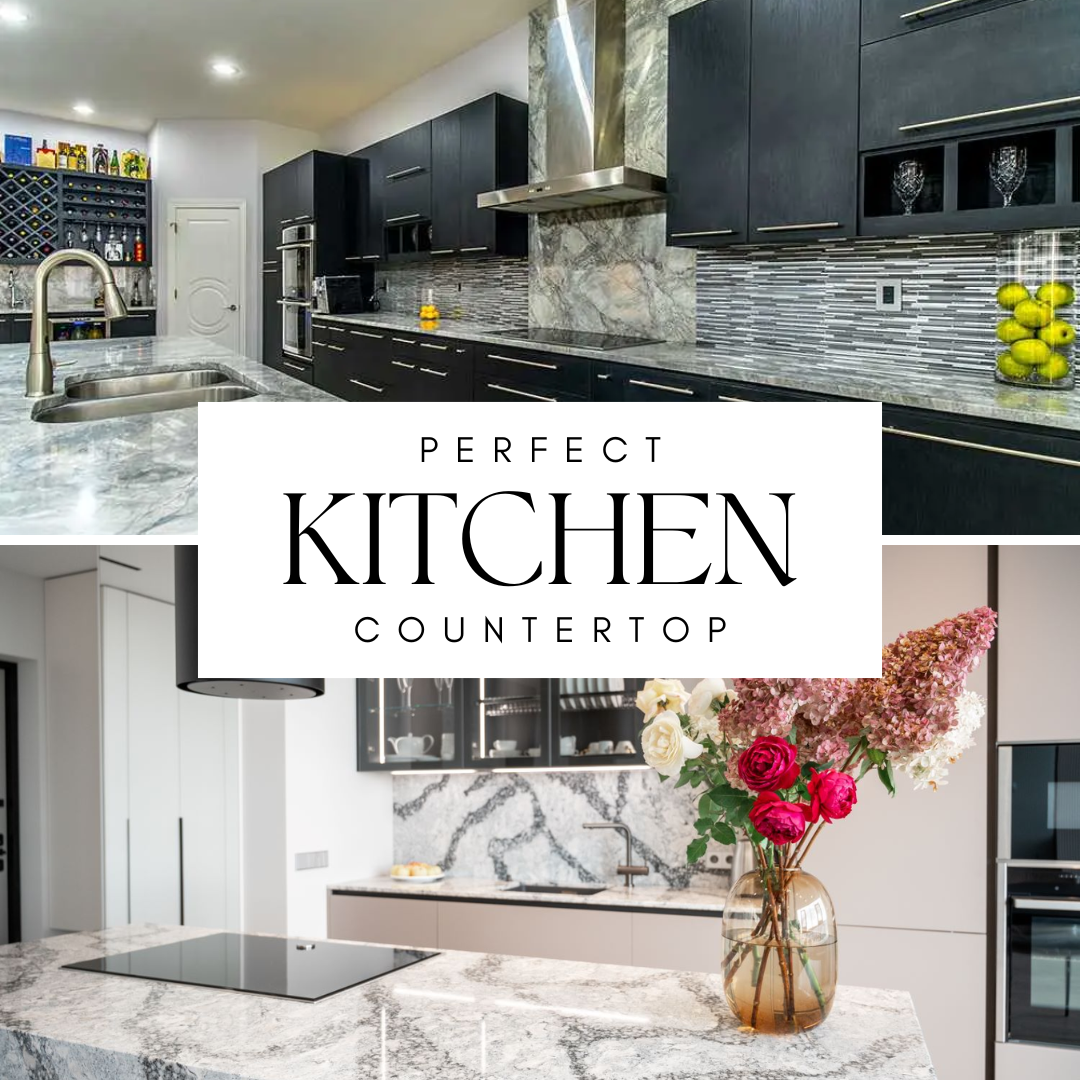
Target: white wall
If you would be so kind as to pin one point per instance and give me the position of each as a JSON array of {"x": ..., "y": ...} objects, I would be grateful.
[
  {"x": 22, "y": 640},
  {"x": 499, "y": 65},
  {"x": 54, "y": 131}
]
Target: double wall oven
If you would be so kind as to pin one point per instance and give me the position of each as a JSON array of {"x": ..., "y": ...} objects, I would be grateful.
[
  {"x": 297, "y": 289},
  {"x": 1038, "y": 904}
]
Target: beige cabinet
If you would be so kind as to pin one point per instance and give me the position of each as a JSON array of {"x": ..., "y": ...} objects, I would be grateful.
[
  {"x": 384, "y": 920},
  {"x": 678, "y": 942}
]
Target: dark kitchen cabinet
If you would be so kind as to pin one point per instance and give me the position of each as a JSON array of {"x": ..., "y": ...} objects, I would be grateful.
[
  {"x": 431, "y": 369},
  {"x": 271, "y": 314},
  {"x": 352, "y": 362},
  {"x": 619, "y": 382},
  {"x": 276, "y": 185},
  {"x": 137, "y": 324},
  {"x": 366, "y": 212},
  {"x": 5, "y": 331},
  {"x": 504, "y": 371},
  {"x": 301, "y": 370},
  {"x": 409, "y": 724},
  {"x": 309, "y": 189},
  {"x": 446, "y": 192},
  {"x": 507, "y": 723},
  {"x": 406, "y": 176},
  {"x": 709, "y": 124},
  {"x": 20, "y": 329},
  {"x": 887, "y": 18},
  {"x": 989, "y": 71},
  {"x": 804, "y": 119}
]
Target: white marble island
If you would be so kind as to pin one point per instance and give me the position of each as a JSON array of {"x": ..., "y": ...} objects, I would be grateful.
[
  {"x": 458, "y": 1016},
  {"x": 129, "y": 475}
]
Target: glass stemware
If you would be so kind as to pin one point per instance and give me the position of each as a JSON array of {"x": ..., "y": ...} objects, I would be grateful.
[
  {"x": 1008, "y": 168},
  {"x": 405, "y": 686},
  {"x": 908, "y": 181}
]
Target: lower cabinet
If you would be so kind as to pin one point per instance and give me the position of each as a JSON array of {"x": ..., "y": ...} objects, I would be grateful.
[
  {"x": 298, "y": 369},
  {"x": 384, "y": 920},
  {"x": 136, "y": 324}
]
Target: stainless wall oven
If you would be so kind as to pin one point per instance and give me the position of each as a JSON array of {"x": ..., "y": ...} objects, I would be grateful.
[
  {"x": 1038, "y": 905},
  {"x": 298, "y": 263},
  {"x": 296, "y": 328}
]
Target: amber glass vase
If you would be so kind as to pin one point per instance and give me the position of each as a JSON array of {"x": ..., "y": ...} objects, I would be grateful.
[{"x": 779, "y": 950}]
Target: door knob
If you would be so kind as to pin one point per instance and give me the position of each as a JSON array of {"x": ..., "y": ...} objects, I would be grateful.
[{"x": 232, "y": 307}]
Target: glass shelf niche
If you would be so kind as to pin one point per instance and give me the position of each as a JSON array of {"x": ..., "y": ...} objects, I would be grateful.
[
  {"x": 976, "y": 190},
  {"x": 879, "y": 195},
  {"x": 508, "y": 724},
  {"x": 410, "y": 723},
  {"x": 597, "y": 722}
]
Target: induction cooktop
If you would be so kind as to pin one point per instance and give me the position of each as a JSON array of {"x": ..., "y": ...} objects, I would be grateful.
[
  {"x": 276, "y": 967},
  {"x": 579, "y": 339}
]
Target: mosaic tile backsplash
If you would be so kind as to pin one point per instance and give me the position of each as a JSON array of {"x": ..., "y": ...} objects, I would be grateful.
[{"x": 529, "y": 827}]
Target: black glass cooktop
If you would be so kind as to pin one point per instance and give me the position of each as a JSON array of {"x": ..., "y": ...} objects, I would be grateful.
[
  {"x": 579, "y": 339},
  {"x": 279, "y": 967}
]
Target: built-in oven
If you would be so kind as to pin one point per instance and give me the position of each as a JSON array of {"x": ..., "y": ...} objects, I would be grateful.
[
  {"x": 296, "y": 328},
  {"x": 298, "y": 263}
]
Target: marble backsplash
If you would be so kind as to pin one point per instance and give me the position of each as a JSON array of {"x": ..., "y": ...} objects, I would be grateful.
[
  {"x": 74, "y": 286},
  {"x": 528, "y": 826}
]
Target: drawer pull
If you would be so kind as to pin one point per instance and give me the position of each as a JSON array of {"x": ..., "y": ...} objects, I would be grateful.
[
  {"x": 1026, "y": 454},
  {"x": 518, "y": 393},
  {"x": 355, "y": 258},
  {"x": 320, "y": 345},
  {"x": 360, "y": 333},
  {"x": 403, "y": 218},
  {"x": 432, "y": 371},
  {"x": 443, "y": 251},
  {"x": 336, "y": 329},
  {"x": 368, "y": 258},
  {"x": 722, "y": 397},
  {"x": 438, "y": 348},
  {"x": 287, "y": 220},
  {"x": 276, "y": 270},
  {"x": 802, "y": 226},
  {"x": 933, "y": 9},
  {"x": 523, "y": 363},
  {"x": 703, "y": 232},
  {"x": 401, "y": 363},
  {"x": 603, "y": 378},
  {"x": 368, "y": 386},
  {"x": 662, "y": 386},
  {"x": 404, "y": 341},
  {"x": 295, "y": 367},
  {"x": 336, "y": 348},
  {"x": 992, "y": 112},
  {"x": 405, "y": 172},
  {"x": 473, "y": 250},
  {"x": 1023, "y": 903}
]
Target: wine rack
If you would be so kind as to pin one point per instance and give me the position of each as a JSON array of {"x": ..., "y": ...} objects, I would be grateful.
[{"x": 29, "y": 214}]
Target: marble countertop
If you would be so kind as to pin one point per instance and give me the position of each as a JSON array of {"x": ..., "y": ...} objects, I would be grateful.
[
  {"x": 122, "y": 477},
  {"x": 694, "y": 901},
  {"x": 66, "y": 308},
  {"x": 918, "y": 384},
  {"x": 458, "y": 1016}
]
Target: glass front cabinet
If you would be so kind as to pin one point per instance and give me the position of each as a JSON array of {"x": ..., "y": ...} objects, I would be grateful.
[{"x": 505, "y": 723}]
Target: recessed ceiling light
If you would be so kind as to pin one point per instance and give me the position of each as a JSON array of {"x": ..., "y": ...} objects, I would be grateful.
[
  {"x": 83, "y": 108},
  {"x": 9, "y": 13},
  {"x": 225, "y": 69}
]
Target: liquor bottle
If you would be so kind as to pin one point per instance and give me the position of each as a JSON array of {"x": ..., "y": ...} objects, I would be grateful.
[
  {"x": 101, "y": 160},
  {"x": 140, "y": 247},
  {"x": 114, "y": 165},
  {"x": 136, "y": 293},
  {"x": 63, "y": 153}
]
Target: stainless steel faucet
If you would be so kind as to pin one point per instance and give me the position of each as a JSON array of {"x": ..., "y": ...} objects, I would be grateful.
[
  {"x": 628, "y": 870},
  {"x": 39, "y": 370}
]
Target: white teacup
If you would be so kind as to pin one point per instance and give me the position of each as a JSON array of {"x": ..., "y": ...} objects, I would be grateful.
[
  {"x": 605, "y": 746},
  {"x": 625, "y": 747},
  {"x": 506, "y": 746},
  {"x": 568, "y": 745}
]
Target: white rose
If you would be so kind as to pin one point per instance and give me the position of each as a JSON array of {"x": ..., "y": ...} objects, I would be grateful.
[
  {"x": 666, "y": 746},
  {"x": 700, "y": 704},
  {"x": 660, "y": 694}
]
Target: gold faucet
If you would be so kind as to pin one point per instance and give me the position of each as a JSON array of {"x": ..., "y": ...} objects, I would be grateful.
[{"x": 39, "y": 370}]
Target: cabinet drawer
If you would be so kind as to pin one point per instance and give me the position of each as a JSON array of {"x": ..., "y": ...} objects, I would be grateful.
[
  {"x": 492, "y": 388},
  {"x": 383, "y": 920},
  {"x": 614, "y": 382},
  {"x": 324, "y": 332},
  {"x": 550, "y": 371},
  {"x": 887, "y": 18},
  {"x": 678, "y": 942},
  {"x": 407, "y": 200},
  {"x": 951, "y": 79},
  {"x": 298, "y": 369},
  {"x": 354, "y": 377}
]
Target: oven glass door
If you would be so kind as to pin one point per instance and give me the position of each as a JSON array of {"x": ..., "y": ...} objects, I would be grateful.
[
  {"x": 1044, "y": 971},
  {"x": 298, "y": 272},
  {"x": 296, "y": 330},
  {"x": 1045, "y": 800}
]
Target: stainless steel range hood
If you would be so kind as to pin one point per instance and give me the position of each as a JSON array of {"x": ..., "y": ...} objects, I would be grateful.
[{"x": 586, "y": 116}]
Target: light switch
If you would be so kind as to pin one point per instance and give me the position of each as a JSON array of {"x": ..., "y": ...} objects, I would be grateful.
[
  {"x": 312, "y": 860},
  {"x": 890, "y": 295}
]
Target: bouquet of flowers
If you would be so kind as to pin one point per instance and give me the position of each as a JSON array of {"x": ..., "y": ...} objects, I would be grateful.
[{"x": 779, "y": 759}]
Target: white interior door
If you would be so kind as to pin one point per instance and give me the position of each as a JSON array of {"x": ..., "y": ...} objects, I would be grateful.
[
  {"x": 208, "y": 273},
  {"x": 4, "y": 845}
]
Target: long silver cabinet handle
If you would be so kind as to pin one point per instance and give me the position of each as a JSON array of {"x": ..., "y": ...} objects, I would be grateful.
[
  {"x": 360, "y": 333},
  {"x": 336, "y": 348},
  {"x": 518, "y": 393},
  {"x": 404, "y": 217},
  {"x": 933, "y": 9},
  {"x": 800, "y": 226},
  {"x": 437, "y": 348},
  {"x": 1024, "y": 903},
  {"x": 702, "y": 232},
  {"x": 661, "y": 386},
  {"x": 405, "y": 172},
  {"x": 721, "y": 397},
  {"x": 523, "y": 363},
  {"x": 473, "y": 250},
  {"x": 1026, "y": 454},
  {"x": 1053, "y": 103},
  {"x": 404, "y": 341},
  {"x": 320, "y": 345},
  {"x": 442, "y": 251},
  {"x": 401, "y": 363},
  {"x": 368, "y": 386},
  {"x": 295, "y": 367},
  {"x": 431, "y": 371}
]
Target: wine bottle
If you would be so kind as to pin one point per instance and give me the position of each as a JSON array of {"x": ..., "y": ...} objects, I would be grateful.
[{"x": 114, "y": 165}]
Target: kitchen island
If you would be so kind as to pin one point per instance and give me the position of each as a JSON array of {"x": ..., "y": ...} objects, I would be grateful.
[
  {"x": 457, "y": 1016},
  {"x": 128, "y": 475}
]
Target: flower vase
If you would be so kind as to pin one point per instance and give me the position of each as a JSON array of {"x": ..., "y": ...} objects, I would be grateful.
[{"x": 779, "y": 950}]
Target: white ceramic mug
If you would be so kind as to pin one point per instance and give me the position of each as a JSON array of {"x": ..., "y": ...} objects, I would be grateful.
[
  {"x": 625, "y": 747},
  {"x": 568, "y": 745},
  {"x": 506, "y": 746},
  {"x": 411, "y": 745},
  {"x": 605, "y": 746},
  {"x": 448, "y": 746}
]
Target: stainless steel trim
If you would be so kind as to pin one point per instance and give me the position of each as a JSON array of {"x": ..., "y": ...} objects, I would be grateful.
[
  {"x": 702, "y": 232},
  {"x": 295, "y": 303},
  {"x": 404, "y": 341},
  {"x": 300, "y": 245},
  {"x": 271, "y": 262},
  {"x": 523, "y": 363},
  {"x": 355, "y": 258},
  {"x": 335, "y": 329},
  {"x": 288, "y": 220},
  {"x": 320, "y": 345},
  {"x": 1048, "y": 864},
  {"x": 442, "y": 251},
  {"x": 295, "y": 367},
  {"x": 933, "y": 9},
  {"x": 1027, "y": 455},
  {"x": 369, "y": 258},
  {"x": 722, "y": 397},
  {"x": 605, "y": 187},
  {"x": 401, "y": 174},
  {"x": 429, "y": 345},
  {"x": 404, "y": 217},
  {"x": 368, "y": 386},
  {"x": 662, "y": 386},
  {"x": 518, "y": 393},
  {"x": 276, "y": 270},
  {"x": 336, "y": 348},
  {"x": 361, "y": 333},
  {"x": 1004, "y": 822},
  {"x": 401, "y": 363},
  {"x": 473, "y": 250},
  {"x": 431, "y": 371},
  {"x": 800, "y": 227},
  {"x": 1053, "y": 103},
  {"x": 1001, "y": 995},
  {"x": 1032, "y": 903}
]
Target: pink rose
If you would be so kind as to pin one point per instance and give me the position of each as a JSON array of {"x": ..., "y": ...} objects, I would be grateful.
[
  {"x": 769, "y": 764},
  {"x": 832, "y": 794},
  {"x": 776, "y": 820}
]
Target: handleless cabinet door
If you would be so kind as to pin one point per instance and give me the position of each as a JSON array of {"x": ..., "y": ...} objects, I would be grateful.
[
  {"x": 804, "y": 117},
  {"x": 384, "y": 920},
  {"x": 446, "y": 183},
  {"x": 708, "y": 123}
]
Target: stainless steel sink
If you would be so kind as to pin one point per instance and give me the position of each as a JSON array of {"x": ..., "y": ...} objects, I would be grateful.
[
  {"x": 71, "y": 411},
  {"x": 157, "y": 382},
  {"x": 569, "y": 890}
]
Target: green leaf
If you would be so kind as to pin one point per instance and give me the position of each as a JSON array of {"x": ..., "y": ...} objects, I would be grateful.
[
  {"x": 886, "y": 776},
  {"x": 707, "y": 808},
  {"x": 876, "y": 756},
  {"x": 867, "y": 765},
  {"x": 696, "y": 851},
  {"x": 663, "y": 778},
  {"x": 792, "y": 737},
  {"x": 703, "y": 826},
  {"x": 723, "y": 834},
  {"x": 755, "y": 836},
  {"x": 683, "y": 780}
]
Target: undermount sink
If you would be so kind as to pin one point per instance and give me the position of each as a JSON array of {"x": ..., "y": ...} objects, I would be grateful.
[
  {"x": 569, "y": 890},
  {"x": 136, "y": 395}
]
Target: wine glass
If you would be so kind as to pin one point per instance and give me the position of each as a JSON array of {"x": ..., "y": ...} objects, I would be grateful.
[
  {"x": 405, "y": 686},
  {"x": 1008, "y": 167},
  {"x": 908, "y": 181}
]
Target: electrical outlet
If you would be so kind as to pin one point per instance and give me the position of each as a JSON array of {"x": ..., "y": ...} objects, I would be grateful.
[{"x": 890, "y": 295}]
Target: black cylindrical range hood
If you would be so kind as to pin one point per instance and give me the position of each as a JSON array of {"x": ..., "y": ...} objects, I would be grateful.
[{"x": 187, "y": 648}]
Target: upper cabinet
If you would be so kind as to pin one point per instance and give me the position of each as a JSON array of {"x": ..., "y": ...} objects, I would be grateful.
[
  {"x": 887, "y": 18},
  {"x": 406, "y": 176},
  {"x": 367, "y": 236},
  {"x": 311, "y": 188}
]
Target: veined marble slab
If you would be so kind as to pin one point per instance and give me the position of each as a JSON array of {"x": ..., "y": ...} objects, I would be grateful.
[
  {"x": 458, "y": 1016},
  {"x": 917, "y": 384},
  {"x": 123, "y": 477},
  {"x": 688, "y": 901}
]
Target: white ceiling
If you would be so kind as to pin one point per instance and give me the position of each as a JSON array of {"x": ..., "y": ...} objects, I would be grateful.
[
  {"x": 306, "y": 63},
  {"x": 146, "y": 568},
  {"x": 48, "y": 561}
]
